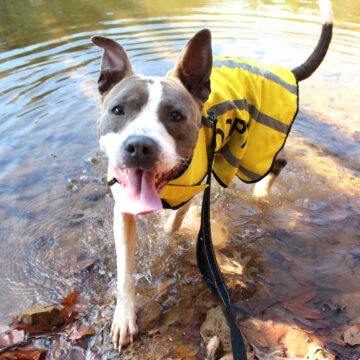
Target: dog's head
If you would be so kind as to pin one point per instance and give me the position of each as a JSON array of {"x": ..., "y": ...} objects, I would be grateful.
[{"x": 149, "y": 125}]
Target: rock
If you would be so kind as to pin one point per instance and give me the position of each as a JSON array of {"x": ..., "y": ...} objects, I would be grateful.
[
  {"x": 213, "y": 348},
  {"x": 216, "y": 325},
  {"x": 172, "y": 317},
  {"x": 148, "y": 315},
  {"x": 206, "y": 300}
]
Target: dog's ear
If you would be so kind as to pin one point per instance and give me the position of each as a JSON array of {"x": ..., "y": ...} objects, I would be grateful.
[
  {"x": 194, "y": 65},
  {"x": 115, "y": 64}
]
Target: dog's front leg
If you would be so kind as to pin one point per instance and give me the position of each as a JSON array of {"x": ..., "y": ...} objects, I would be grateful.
[
  {"x": 124, "y": 327},
  {"x": 176, "y": 218}
]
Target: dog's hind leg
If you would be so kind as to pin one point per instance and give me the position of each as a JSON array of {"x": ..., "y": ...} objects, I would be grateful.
[
  {"x": 263, "y": 187},
  {"x": 176, "y": 218}
]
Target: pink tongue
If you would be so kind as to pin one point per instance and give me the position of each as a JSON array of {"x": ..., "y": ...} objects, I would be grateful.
[{"x": 139, "y": 196}]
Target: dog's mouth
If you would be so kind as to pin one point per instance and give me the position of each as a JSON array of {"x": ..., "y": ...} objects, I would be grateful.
[
  {"x": 136, "y": 176},
  {"x": 140, "y": 193}
]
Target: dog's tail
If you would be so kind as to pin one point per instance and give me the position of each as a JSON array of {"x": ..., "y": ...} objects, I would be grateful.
[{"x": 312, "y": 63}]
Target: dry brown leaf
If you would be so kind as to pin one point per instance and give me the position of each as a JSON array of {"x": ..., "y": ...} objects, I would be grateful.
[
  {"x": 213, "y": 348},
  {"x": 77, "y": 334},
  {"x": 24, "y": 354},
  {"x": 49, "y": 318},
  {"x": 302, "y": 311},
  {"x": 352, "y": 335},
  {"x": 300, "y": 295},
  {"x": 87, "y": 332},
  {"x": 349, "y": 303},
  {"x": 43, "y": 322},
  {"x": 185, "y": 351},
  {"x": 355, "y": 205},
  {"x": 263, "y": 333},
  {"x": 296, "y": 342},
  {"x": 70, "y": 299},
  {"x": 255, "y": 337}
]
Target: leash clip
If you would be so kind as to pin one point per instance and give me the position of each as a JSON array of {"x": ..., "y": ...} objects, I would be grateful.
[
  {"x": 212, "y": 118},
  {"x": 112, "y": 181}
]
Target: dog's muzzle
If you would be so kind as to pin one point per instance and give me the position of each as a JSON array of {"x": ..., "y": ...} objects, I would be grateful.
[{"x": 141, "y": 152}]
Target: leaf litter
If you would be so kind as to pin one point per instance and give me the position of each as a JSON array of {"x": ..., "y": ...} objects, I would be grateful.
[{"x": 64, "y": 320}]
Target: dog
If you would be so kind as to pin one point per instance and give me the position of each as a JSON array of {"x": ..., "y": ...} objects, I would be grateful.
[{"x": 156, "y": 132}]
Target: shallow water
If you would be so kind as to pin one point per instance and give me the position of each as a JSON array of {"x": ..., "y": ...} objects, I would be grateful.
[{"x": 56, "y": 210}]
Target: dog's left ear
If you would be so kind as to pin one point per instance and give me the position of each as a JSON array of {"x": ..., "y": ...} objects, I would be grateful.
[
  {"x": 115, "y": 64},
  {"x": 194, "y": 65}
]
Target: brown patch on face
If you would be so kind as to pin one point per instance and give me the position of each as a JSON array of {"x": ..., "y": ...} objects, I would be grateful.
[
  {"x": 175, "y": 98},
  {"x": 131, "y": 94}
]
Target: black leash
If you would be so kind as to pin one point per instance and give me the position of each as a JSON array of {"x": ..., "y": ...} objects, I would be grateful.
[{"x": 208, "y": 265}]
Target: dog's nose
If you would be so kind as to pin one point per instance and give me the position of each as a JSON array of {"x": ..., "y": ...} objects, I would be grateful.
[
  {"x": 142, "y": 146},
  {"x": 140, "y": 151}
]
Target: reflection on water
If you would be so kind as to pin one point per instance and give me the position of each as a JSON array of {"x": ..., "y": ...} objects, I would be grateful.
[{"x": 56, "y": 210}]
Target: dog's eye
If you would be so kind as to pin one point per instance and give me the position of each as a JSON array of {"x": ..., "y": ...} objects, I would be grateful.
[
  {"x": 176, "y": 116},
  {"x": 118, "y": 110}
]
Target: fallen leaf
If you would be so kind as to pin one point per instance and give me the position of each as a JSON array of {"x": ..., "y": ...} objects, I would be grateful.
[
  {"x": 230, "y": 266},
  {"x": 24, "y": 354},
  {"x": 213, "y": 348},
  {"x": 39, "y": 309},
  {"x": 70, "y": 299},
  {"x": 349, "y": 303},
  {"x": 352, "y": 335},
  {"x": 77, "y": 334},
  {"x": 46, "y": 321},
  {"x": 263, "y": 333},
  {"x": 300, "y": 295},
  {"x": 255, "y": 338},
  {"x": 355, "y": 204},
  {"x": 302, "y": 311},
  {"x": 296, "y": 342},
  {"x": 185, "y": 351}
]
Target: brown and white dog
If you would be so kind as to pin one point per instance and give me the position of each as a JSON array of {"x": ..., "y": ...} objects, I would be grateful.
[{"x": 147, "y": 126}]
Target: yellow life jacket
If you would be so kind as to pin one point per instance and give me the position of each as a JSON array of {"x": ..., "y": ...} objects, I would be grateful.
[{"x": 255, "y": 106}]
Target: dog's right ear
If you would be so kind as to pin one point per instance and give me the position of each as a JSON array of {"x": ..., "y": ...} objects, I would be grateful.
[{"x": 115, "y": 64}]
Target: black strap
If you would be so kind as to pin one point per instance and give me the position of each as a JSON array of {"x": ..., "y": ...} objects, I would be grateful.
[
  {"x": 209, "y": 268},
  {"x": 112, "y": 181}
]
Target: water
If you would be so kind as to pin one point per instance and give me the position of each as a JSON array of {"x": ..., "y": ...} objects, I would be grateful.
[{"x": 56, "y": 210}]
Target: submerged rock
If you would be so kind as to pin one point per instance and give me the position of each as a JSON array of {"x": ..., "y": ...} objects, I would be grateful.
[
  {"x": 216, "y": 325},
  {"x": 148, "y": 315}
]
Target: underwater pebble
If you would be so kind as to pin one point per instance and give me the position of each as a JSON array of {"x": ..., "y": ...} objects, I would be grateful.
[
  {"x": 148, "y": 315},
  {"x": 95, "y": 161},
  {"x": 216, "y": 325}
]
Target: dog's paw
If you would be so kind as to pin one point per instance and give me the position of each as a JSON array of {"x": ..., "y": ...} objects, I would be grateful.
[{"x": 123, "y": 328}]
